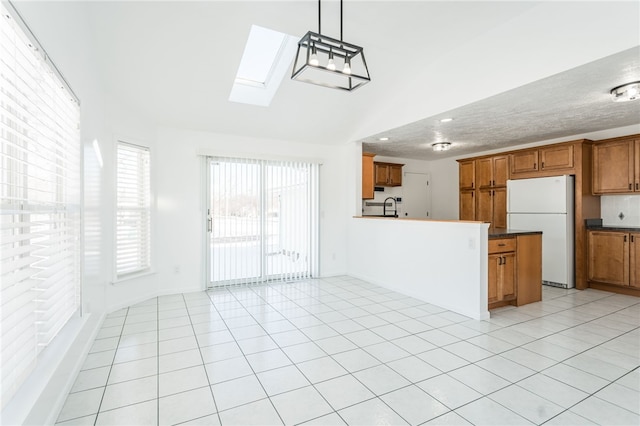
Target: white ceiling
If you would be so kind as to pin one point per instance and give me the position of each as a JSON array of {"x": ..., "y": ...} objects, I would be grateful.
[{"x": 174, "y": 62}]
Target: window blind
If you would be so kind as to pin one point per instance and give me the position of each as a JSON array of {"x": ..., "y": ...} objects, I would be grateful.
[
  {"x": 133, "y": 228},
  {"x": 40, "y": 190},
  {"x": 263, "y": 220}
]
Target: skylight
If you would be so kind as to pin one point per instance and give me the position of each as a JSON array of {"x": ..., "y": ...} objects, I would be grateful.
[{"x": 266, "y": 59}]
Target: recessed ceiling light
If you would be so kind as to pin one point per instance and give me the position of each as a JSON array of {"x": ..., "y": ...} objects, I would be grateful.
[
  {"x": 383, "y": 139},
  {"x": 441, "y": 146},
  {"x": 446, "y": 120},
  {"x": 626, "y": 92}
]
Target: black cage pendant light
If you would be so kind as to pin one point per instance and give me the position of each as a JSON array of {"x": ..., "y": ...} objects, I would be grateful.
[{"x": 328, "y": 62}]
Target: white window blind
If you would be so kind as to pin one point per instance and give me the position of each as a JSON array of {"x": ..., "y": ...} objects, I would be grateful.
[
  {"x": 133, "y": 228},
  {"x": 263, "y": 220},
  {"x": 40, "y": 217}
]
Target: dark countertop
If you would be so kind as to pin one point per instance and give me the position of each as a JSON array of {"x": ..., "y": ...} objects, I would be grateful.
[
  {"x": 613, "y": 228},
  {"x": 505, "y": 232}
]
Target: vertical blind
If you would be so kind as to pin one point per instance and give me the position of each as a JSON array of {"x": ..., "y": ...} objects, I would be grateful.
[
  {"x": 263, "y": 217},
  {"x": 133, "y": 218},
  {"x": 40, "y": 215}
]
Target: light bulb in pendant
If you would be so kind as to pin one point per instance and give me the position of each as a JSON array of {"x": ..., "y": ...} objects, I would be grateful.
[
  {"x": 347, "y": 66},
  {"x": 331, "y": 65},
  {"x": 313, "y": 59}
]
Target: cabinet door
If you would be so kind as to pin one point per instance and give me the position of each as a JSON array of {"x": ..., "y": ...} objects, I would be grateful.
[
  {"x": 608, "y": 257},
  {"x": 467, "y": 174},
  {"x": 524, "y": 162},
  {"x": 558, "y": 157},
  {"x": 367, "y": 177},
  {"x": 500, "y": 170},
  {"x": 382, "y": 174},
  {"x": 395, "y": 175},
  {"x": 507, "y": 277},
  {"x": 484, "y": 173},
  {"x": 634, "y": 260},
  {"x": 613, "y": 167},
  {"x": 637, "y": 161},
  {"x": 484, "y": 206},
  {"x": 494, "y": 264},
  {"x": 467, "y": 205},
  {"x": 499, "y": 196}
]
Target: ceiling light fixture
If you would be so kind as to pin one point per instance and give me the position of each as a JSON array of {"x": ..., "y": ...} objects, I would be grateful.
[
  {"x": 383, "y": 139},
  {"x": 441, "y": 146},
  {"x": 446, "y": 120},
  {"x": 316, "y": 58},
  {"x": 626, "y": 92}
]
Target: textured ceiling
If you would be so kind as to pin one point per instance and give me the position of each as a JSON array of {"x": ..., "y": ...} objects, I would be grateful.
[{"x": 569, "y": 103}]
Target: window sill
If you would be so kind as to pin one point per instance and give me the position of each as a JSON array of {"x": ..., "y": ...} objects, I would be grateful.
[{"x": 133, "y": 276}]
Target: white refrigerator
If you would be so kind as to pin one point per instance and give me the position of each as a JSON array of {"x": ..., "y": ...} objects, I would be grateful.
[{"x": 546, "y": 204}]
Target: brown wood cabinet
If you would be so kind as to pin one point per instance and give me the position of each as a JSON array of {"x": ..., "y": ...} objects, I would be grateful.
[
  {"x": 367, "y": 176},
  {"x": 483, "y": 184},
  {"x": 467, "y": 175},
  {"x": 515, "y": 270},
  {"x": 388, "y": 174},
  {"x": 502, "y": 271},
  {"x": 634, "y": 260},
  {"x": 609, "y": 257},
  {"x": 467, "y": 205},
  {"x": 616, "y": 166},
  {"x": 565, "y": 158},
  {"x": 553, "y": 158},
  {"x": 492, "y": 172},
  {"x": 614, "y": 258},
  {"x": 492, "y": 206}
]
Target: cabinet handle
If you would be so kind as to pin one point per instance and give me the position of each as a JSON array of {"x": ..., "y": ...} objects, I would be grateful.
[
  {"x": 633, "y": 239},
  {"x": 535, "y": 166},
  {"x": 472, "y": 183},
  {"x": 504, "y": 260},
  {"x": 630, "y": 186},
  {"x": 625, "y": 238},
  {"x": 494, "y": 192},
  {"x": 501, "y": 245},
  {"x": 472, "y": 194},
  {"x": 493, "y": 182},
  {"x": 637, "y": 186},
  {"x": 500, "y": 260},
  {"x": 542, "y": 165}
]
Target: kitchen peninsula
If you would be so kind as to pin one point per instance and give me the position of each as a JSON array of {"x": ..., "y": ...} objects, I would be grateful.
[{"x": 447, "y": 263}]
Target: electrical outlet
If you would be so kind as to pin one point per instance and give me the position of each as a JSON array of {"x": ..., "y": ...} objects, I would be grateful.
[{"x": 176, "y": 269}]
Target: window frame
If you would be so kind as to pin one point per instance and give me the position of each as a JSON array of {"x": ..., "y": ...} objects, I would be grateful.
[{"x": 119, "y": 277}]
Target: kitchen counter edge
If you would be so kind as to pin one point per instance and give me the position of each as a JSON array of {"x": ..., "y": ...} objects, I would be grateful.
[{"x": 506, "y": 233}]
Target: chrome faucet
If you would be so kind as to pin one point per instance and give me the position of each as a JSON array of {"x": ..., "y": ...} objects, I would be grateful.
[{"x": 395, "y": 205}]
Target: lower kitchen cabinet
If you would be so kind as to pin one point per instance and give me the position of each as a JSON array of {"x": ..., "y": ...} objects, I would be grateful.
[
  {"x": 614, "y": 258},
  {"x": 515, "y": 270},
  {"x": 502, "y": 277}
]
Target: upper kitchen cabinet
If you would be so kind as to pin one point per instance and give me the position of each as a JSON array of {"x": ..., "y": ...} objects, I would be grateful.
[
  {"x": 367, "y": 176},
  {"x": 467, "y": 174},
  {"x": 543, "y": 161},
  {"x": 492, "y": 172},
  {"x": 616, "y": 166},
  {"x": 388, "y": 174}
]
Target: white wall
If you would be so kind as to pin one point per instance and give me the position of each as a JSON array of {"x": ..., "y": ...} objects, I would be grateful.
[
  {"x": 102, "y": 118},
  {"x": 443, "y": 263},
  {"x": 180, "y": 225}
]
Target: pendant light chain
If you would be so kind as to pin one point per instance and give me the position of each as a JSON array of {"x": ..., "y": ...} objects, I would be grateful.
[
  {"x": 319, "y": 17},
  {"x": 341, "y": 39}
]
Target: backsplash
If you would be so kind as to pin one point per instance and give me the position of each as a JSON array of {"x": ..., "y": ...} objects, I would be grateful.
[
  {"x": 620, "y": 210},
  {"x": 379, "y": 197}
]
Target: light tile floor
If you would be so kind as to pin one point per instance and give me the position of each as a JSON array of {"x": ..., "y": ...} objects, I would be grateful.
[{"x": 340, "y": 350}]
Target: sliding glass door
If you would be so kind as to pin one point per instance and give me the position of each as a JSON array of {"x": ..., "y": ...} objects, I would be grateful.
[{"x": 262, "y": 221}]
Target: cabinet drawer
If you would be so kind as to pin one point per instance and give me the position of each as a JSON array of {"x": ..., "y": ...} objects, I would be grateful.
[{"x": 502, "y": 245}]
